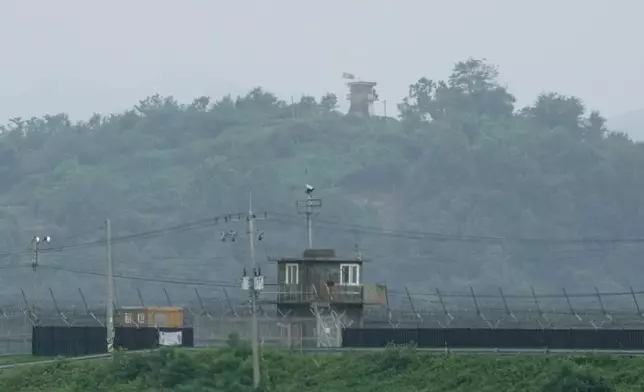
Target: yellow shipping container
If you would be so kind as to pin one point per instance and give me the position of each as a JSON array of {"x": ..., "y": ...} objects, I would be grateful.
[{"x": 152, "y": 316}]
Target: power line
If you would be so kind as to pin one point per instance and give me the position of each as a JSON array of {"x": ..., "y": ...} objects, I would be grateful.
[
  {"x": 183, "y": 227},
  {"x": 391, "y": 291},
  {"x": 28, "y": 250},
  {"x": 282, "y": 218},
  {"x": 154, "y": 279},
  {"x": 143, "y": 235},
  {"x": 434, "y": 236},
  {"x": 7, "y": 266},
  {"x": 80, "y": 234}
]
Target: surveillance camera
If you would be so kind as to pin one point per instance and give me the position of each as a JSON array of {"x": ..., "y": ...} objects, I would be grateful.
[{"x": 309, "y": 189}]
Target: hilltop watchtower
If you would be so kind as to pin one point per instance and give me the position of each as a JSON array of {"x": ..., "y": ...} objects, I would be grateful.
[
  {"x": 361, "y": 95},
  {"x": 321, "y": 284}
]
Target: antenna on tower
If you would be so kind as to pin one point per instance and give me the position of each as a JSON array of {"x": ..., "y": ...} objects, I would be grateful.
[
  {"x": 306, "y": 207},
  {"x": 356, "y": 249}
]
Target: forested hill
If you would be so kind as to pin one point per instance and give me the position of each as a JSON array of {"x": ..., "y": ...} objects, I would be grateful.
[{"x": 462, "y": 160}]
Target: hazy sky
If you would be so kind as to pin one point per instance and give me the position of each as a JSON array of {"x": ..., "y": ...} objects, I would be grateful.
[{"x": 81, "y": 56}]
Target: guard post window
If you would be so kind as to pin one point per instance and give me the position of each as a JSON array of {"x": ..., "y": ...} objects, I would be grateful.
[
  {"x": 292, "y": 275},
  {"x": 350, "y": 274}
]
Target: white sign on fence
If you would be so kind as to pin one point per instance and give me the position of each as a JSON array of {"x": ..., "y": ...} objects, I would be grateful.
[{"x": 170, "y": 338}]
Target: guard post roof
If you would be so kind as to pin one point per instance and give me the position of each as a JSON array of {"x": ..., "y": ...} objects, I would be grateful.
[
  {"x": 152, "y": 308},
  {"x": 322, "y": 256}
]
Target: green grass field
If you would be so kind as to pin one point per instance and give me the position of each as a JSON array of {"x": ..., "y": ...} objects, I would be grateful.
[
  {"x": 19, "y": 358},
  {"x": 396, "y": 369}
]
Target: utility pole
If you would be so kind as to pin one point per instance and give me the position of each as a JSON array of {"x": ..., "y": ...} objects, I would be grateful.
[
  {"x": 36, "y": 241},
  {"x": 255, "y": 284},
  {"x": 306, "y": 207},
  {"x": 292, "y": 107},
  {"x": 109, "y": 305},
  {"x": 34, "y": 266}
]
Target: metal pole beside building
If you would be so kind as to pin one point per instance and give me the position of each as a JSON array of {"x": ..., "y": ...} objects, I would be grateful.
[{"x": 109, "y": 303}]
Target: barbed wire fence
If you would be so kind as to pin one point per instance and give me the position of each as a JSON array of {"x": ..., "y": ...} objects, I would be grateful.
[
  {"x": 214, "y": 318},
  {"x": 526, "y": 310}
]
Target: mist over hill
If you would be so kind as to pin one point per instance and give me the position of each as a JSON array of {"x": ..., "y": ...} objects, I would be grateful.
[
  {"x": 463, "y": 189},
  {"x": 631, "y": 123}
]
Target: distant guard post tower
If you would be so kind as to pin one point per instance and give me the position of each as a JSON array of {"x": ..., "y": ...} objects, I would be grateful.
[
  {"x": 362, "y": 95},
  {"x": 324, "y": 285}
]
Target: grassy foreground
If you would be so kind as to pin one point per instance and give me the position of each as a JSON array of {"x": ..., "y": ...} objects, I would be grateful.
[
  {"x": 19, "y": 358},
  {"x": 229, "y": 370}
]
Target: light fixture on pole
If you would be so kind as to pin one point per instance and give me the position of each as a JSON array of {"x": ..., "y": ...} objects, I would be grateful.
[{"x": 306, "y": 207}]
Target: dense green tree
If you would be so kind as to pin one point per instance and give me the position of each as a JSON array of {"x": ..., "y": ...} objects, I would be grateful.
[{"x": 461, "y": 161}]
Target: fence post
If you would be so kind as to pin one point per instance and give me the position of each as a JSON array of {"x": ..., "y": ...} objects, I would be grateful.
[
  {"x": 478, "y": 310},
  {"x": 33, "y": 317},
  {"x": 572, "y": 310},
  {"x": 541, "y": 314},
  {"x": 89, "y": 312},
  {"x": 413, "y": 309},
  {"x": 387, "y": 307},
  {"x": 203, "y": 307},
  {"x": 601, "y": 304},
  {"x": 448, "y": 315},
  {"x": 505, "y": 305},
  {"x": 637, "y": 305},
  {"x": 167, "y": 296},
  {"x": 138, "y": 292},
  {"x": 230, "y": 305},
  {"x": 60, "y": 313}
]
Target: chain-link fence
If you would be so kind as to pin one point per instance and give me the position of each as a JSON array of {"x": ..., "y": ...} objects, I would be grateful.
[
  {"x": 214, "y": 319},
  {"x": 15, "y": 333}
]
